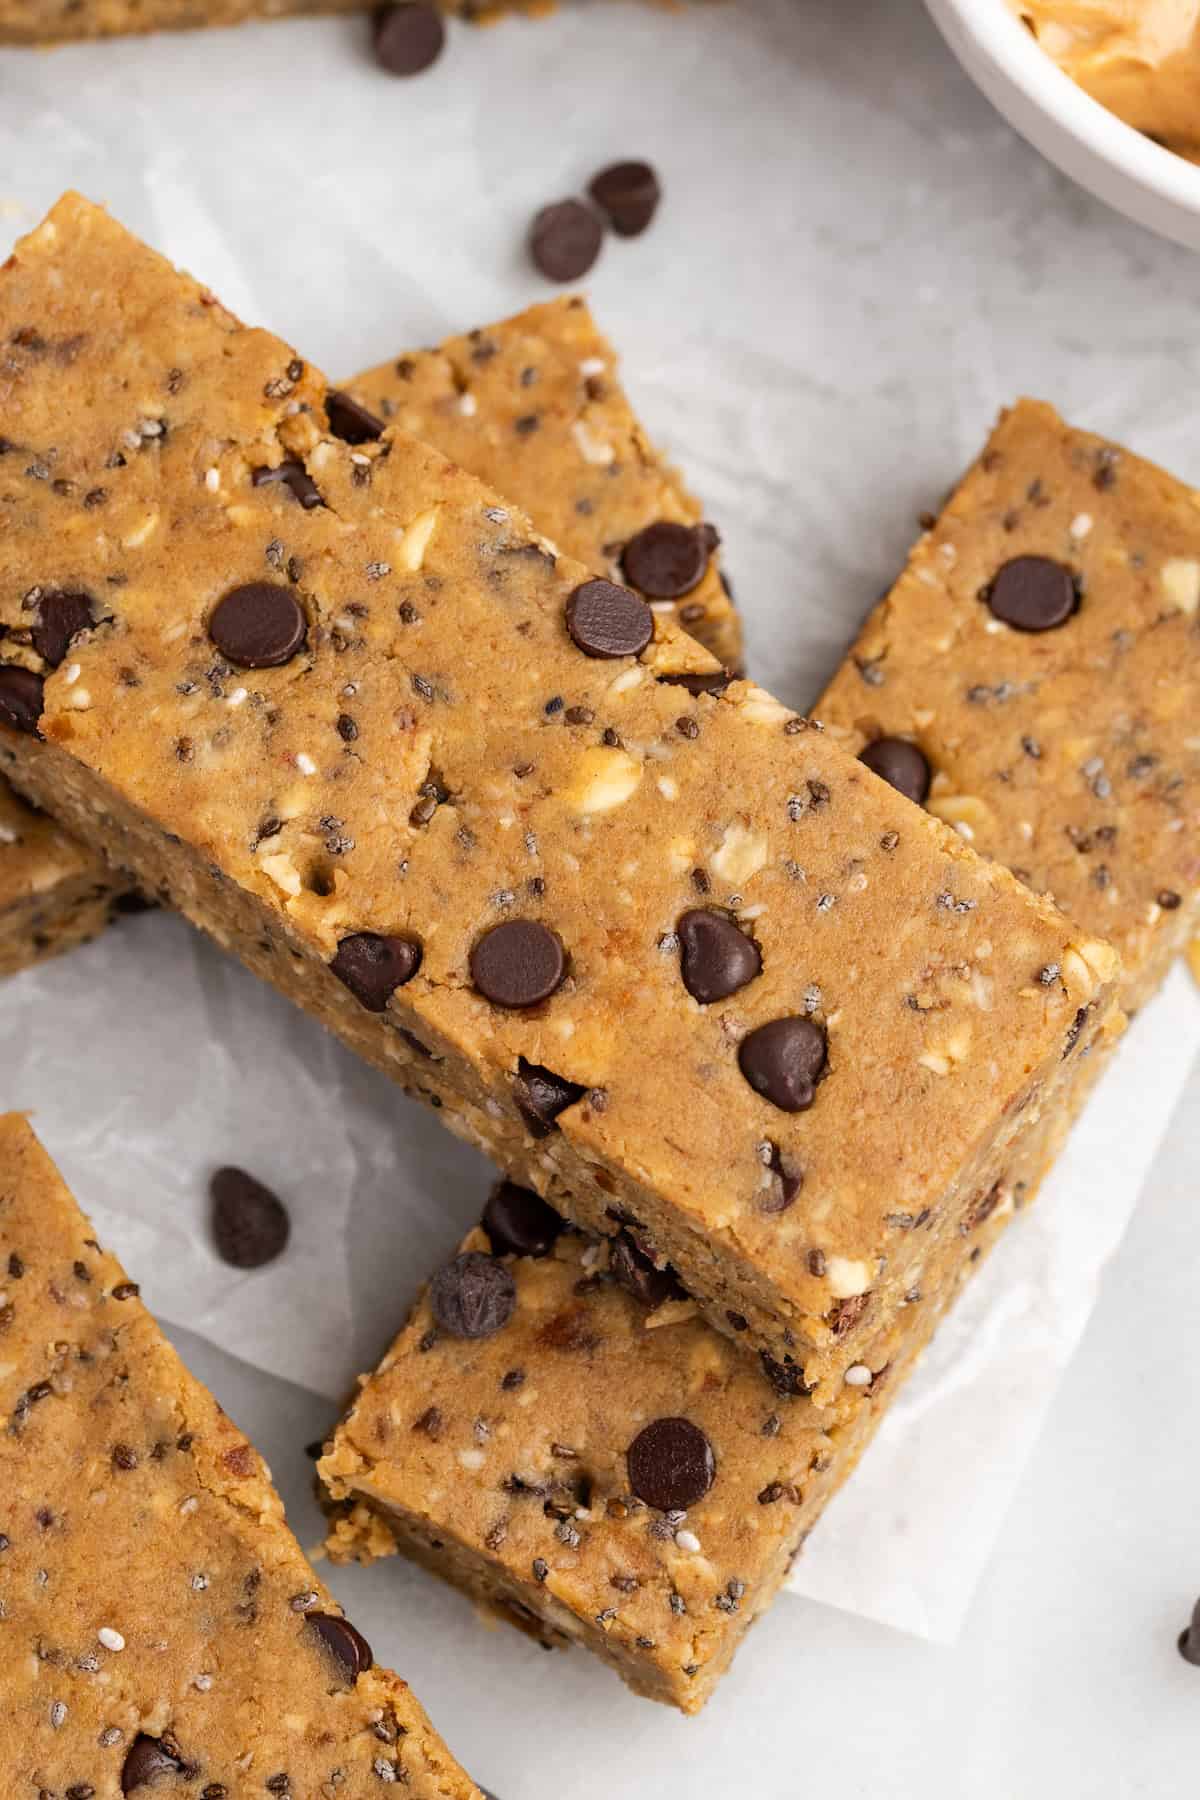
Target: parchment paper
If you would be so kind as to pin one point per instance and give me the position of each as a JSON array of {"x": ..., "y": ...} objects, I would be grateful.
[{"x": 821, "y": 335}]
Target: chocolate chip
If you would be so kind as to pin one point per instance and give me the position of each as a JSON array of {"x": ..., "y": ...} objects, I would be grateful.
[
  {"x": 715, "y": 683},
  {"x": 540, "y": 1095},
  {"x": 350, "y": 421},
  {"x": 146, "y": 1760},
  {"x": 259, "y": 625},
  {"x": 373, "y": 966},
  {"x": 20, "y": 698},
  {"x": 518, "y": 963},
  {"x": 782, "y": 1060},
  {"x": 408, "y": 38},
  {"x": 473, "y": 1296},
  {"x": 60, "y": 615},
  {"x": 787, "y": 1377},
  {"x": 1169, "y": 900},
  {"x": 666, "y": 560},
  {"x": 783, "y": 1187},
  {"x": 628, "y": 194},
  {"x": 638, "y": 1274},
  {"x": 296, "y": 478},
  {"x": 716, "y": 959},
  {"x": 901, "y": 764},
  {"x": 1032, "y": 593},
  {"x": 565, "y": 240},
  {"x": 250, "y": 1224},
  {"x": 346, "y": 1645},
  {"x": 608, "y": 621},
  {"x": 1189, "y": 1639},
  {"x": 519, "y": 1222},
  {"x": 671, "y": 1464}
]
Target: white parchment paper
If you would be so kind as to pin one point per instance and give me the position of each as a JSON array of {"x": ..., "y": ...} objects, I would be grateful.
[{"x": 839, "y": 293}]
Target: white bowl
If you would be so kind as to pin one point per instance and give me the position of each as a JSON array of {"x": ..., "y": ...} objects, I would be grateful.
[{"x": 1106, "y": 156}]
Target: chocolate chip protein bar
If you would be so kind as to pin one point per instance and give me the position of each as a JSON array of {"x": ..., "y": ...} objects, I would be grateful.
[
  {"x": 162, "y": 1630},
  {"x": 55, "y": 21},
  {"x": 666, "y": 953},
  {"x": 1034, "y": 680},
  {"x": 54, "y": 894},
  {"x": 557, "y": 1433},
  {"x": 534, "y": 407}
]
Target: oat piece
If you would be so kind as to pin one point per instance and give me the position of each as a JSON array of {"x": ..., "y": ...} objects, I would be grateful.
[
  {"x": 408, "y": 641},
  {"x": 603, "y": 1471},
  {"x": 159, "y": 1618},
  {"x": 534, "y": 406}
]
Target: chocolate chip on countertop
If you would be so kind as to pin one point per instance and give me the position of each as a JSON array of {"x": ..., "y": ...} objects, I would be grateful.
[
  {"x": 473, "y": 1296},
  {"x": 60, "y": 615},
  {"x": 350, "y": 421},
  {"x": 20, "y": 698},
  {"x": 671, "y": 1464},
  {"x": 666, "y": 560},
  {"x": 408, "y": 38},
  {"x": 343, "y": 1642},
  {"x": 782, "y": 1060},
  {"x": 640, "y": 1276},
  {"x": 259, "y": 625},
  {"x": 716, "y": 959},
  {"x": 565, "y": 240},
  {"x": 250, "y": 1224},
  {"x": 901, "y": 764},
  {"x": 145, "y": 1761},
  {"x": 628, "y": 194},
  {"x": 519, "y": 1222},
  {"x": 1189, "y": 1639},
  {"x": 540, "y": 1095},
  {"x": 608, "y": 621},
  {"x": 295, "y": 477},
  {"x": 518, "y": 963},
  {"x": 373, "y": 966},
  {"x": 1032, "y": 593}
]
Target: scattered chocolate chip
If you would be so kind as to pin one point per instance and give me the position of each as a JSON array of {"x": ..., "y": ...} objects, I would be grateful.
[
  {"x": 671, "y": 1464},
  {"x": 147, "y": 1759},
  {"x": 901, "y": 764},
  {"x": 259, "y": 625},
  {"x": 250, "y": 1224},
  {"x": 349, "y": 421},
  {"x": 565, "y": 240},
  {"x": 296, "y": 478},
  {"x": 373, "y": 967},
  {"x": 540, "y": 1095},
  {"x": 1032, "y": 593},
  {"x": 473, "y": 1296},
  {"x": 20, "y": 698},
  {"x": 782, "y": 1060},
  {"x": 608, "y": 621},
  {"x": 409, "y": 38},
  {"x": 518, "y": 963},
  {"x": 666, "y": 560},
  {"x": 1189, "y": 1639},
  {"x": 715, "y": 683},
  {"x": 716, "y": 959},
  {"x": 639, "y": 1275},
  {"x": 628, "y": 194},
  {"x": 343, "y": 1642},
  {"x": 519, "y": 1222},
  {"x": 60, "y": 615}
]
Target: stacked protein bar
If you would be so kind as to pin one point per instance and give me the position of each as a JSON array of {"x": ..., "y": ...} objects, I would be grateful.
[{"x": 771, "y": 1033}]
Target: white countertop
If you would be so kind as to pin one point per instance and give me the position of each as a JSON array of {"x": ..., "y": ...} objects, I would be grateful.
[{"x": 857, "y": 261}]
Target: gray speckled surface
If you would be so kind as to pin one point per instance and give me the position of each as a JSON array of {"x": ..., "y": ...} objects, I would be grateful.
[{"x": 857, "y": 264}]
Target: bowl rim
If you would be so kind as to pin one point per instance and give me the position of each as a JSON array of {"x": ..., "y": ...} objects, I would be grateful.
[{"x": 1016, "y": 54}]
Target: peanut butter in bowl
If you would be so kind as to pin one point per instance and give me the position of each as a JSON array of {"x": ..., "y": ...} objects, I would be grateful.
[{"x": 1139, "y": 58}]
